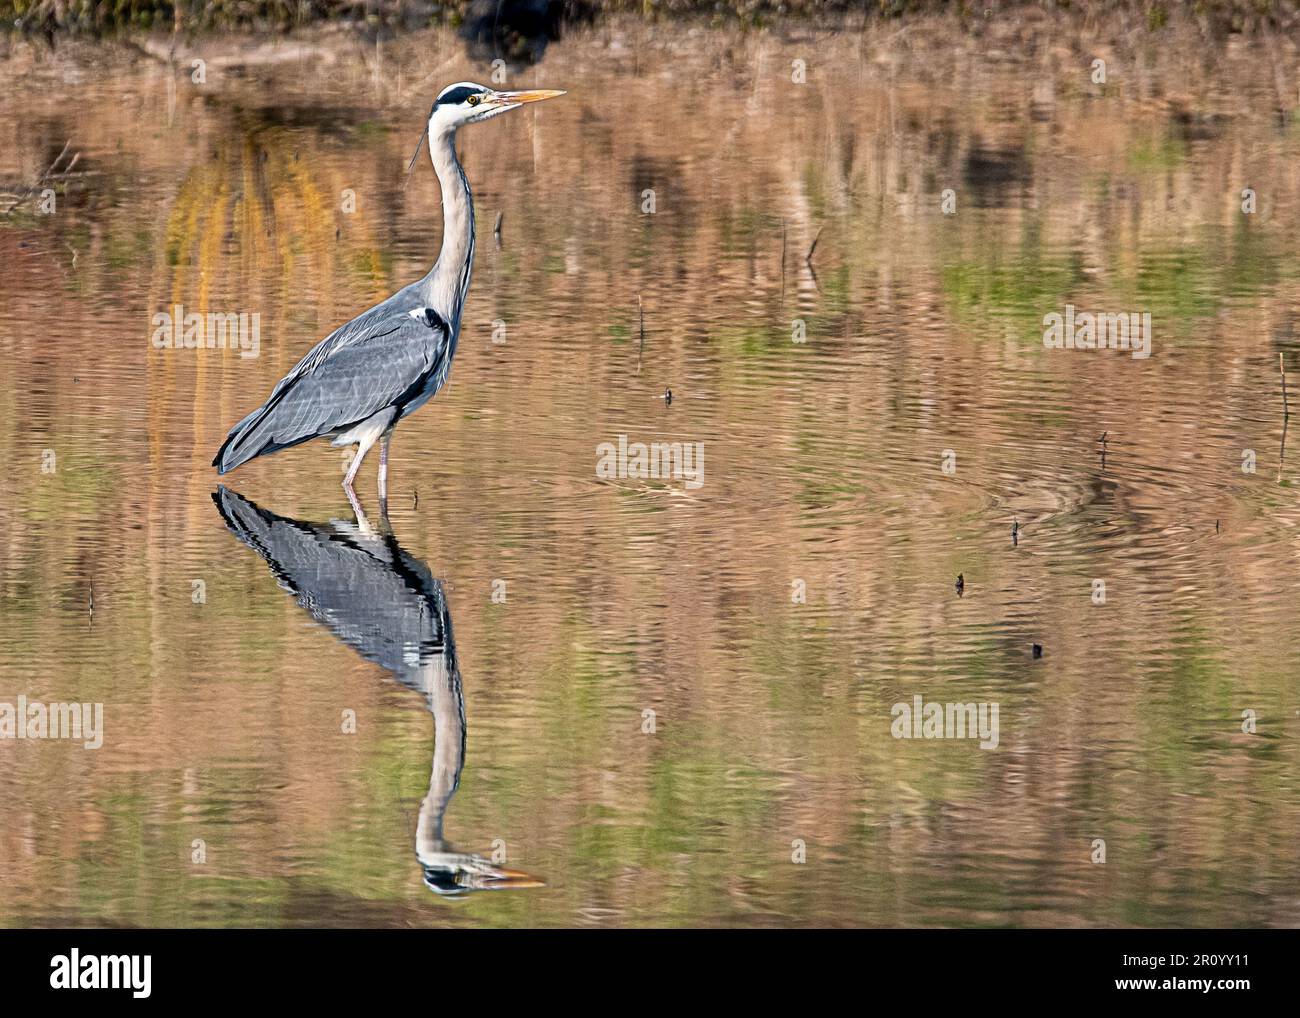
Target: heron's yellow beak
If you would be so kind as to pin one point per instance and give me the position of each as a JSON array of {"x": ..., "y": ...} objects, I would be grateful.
[{"x": 519, "y": 98}]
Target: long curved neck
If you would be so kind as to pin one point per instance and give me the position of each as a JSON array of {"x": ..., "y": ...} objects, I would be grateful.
[{"x": 448, "y": 281}]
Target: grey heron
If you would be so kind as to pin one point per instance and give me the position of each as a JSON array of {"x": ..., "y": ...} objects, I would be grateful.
[
  {"x": 387, "y": 606},
  {"x": 357, "y": 383}
]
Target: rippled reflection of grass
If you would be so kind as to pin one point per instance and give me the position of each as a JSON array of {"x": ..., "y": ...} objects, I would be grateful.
[{"x": 1176, "y": 285}]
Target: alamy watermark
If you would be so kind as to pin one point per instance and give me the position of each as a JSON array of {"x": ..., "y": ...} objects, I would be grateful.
[
  {"x": 1084, "y": 330},
  {"x": 80, "y": 721},
  {"x": 75, "y": 971},
  {"x": 217, "y": 330},
  {"x": 681, "y": 461},
  {"x": 921, "y": 720}
]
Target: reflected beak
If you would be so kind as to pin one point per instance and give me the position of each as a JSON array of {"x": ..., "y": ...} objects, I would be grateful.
[
  {"x": 497, "y": 879},
  {"x": 519, "y": 98}
]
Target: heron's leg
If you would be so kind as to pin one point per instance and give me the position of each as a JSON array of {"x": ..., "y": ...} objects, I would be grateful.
[
  {"x": 383, "y": 467},
  {"x": 363, "y": 447},
  {"x": 352, "y": 470}
]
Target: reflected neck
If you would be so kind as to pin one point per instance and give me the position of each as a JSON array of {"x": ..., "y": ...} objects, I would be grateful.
[
  {"x": 448, "y": 280},
  {"x": 441, "y": 680}
]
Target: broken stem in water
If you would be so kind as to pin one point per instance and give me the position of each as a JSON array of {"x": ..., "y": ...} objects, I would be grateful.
[
  {"x": 811, "y": 250},
  {"x": 1281, "y": 366}
]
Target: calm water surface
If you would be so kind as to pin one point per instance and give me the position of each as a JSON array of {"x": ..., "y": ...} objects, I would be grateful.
[{"x": 233, "y": 640}]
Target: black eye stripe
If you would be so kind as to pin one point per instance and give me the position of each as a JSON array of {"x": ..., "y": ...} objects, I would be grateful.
[{"x": 455, "y": 96}]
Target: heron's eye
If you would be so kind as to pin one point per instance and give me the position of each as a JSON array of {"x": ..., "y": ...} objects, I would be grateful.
[{"x": 474, "y": 100}]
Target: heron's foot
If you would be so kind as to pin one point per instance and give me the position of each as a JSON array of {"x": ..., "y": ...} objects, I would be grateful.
[{"x": 363, "y": 524}]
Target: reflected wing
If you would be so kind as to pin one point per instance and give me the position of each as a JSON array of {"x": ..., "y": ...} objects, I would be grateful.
[{"x": 374, "y": 597}]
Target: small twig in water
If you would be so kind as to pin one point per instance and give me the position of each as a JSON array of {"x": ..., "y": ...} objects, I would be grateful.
[
  {"x": 783, "y": 262},
  {"x": 1281, "y": 366},
  {"x": 640, "y": 310},
  {"x": 1281, "y": 452},
  {"x": 58, "y": 158},
  {"x": 808, "y": 257}
]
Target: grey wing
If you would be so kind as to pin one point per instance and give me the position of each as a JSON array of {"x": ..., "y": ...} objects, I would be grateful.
[{"x": 383, "y": 358}]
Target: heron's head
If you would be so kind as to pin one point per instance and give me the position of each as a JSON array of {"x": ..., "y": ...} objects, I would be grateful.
[
  {"x": 453, "y": 875},
  {"x": 468, "y": 103}
]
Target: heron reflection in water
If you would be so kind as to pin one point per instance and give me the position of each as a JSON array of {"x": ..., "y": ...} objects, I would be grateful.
[{"x": 386, "y": 605}]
